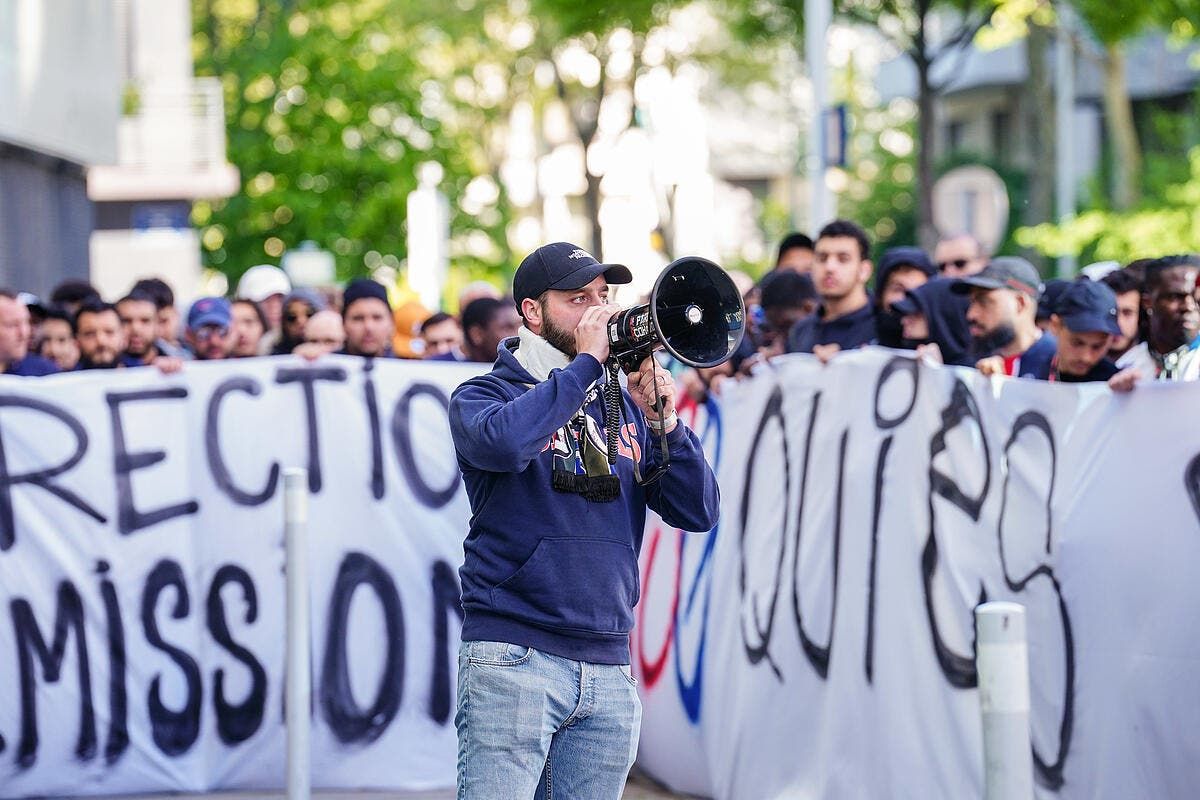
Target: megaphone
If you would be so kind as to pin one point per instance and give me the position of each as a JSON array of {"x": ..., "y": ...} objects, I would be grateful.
[{"x": 695, "y": 313}]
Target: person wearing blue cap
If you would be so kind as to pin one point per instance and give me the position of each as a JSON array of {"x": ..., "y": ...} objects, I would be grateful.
[
  {"x": 551, "y": 576},
  {"x": 1084, "y": 321},
  {"x": 209, "y": 322}
]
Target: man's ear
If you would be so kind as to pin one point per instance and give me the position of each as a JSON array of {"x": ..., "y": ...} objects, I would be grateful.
[
  {"x": 865, "y": 270},
  {"x": 531, "y": 310}
]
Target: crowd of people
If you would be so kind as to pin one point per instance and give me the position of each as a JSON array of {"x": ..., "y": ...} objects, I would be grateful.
[
  {"x": 78, "y": 329},
  {"x": 1120, "y": 324},
  {"x": 1114, "y": 323}
]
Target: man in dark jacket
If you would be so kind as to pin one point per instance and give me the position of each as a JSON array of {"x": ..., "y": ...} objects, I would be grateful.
[
  {"x": 934, "y": 314},
  {"x": 1003, "y": 319},
  {"x": 845, "y": 320},
  {"x": 1084, "y": 320},
  {"x": 551, "y": 574}
]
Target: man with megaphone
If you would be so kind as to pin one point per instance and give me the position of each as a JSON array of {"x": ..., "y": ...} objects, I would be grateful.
[{"x": 545, "y": 692}]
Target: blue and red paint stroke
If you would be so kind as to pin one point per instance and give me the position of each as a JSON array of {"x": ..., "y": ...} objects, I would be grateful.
[{"x": 705, "y": 419}]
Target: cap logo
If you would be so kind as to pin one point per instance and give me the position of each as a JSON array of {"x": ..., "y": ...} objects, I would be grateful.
[
  {"x": 1020, "y": 286},
  {"x": 579, "y": 254}
]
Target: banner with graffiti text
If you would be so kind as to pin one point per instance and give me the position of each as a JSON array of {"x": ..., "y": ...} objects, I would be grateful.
[
  {"x": 141, "y": 575},
  {"x": 819, "y": 642}
]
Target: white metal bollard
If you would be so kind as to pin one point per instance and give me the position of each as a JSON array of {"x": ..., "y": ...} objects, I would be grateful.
[
  {"x": 299, "y": 679},
  {"x": 1003, "y": 664}
]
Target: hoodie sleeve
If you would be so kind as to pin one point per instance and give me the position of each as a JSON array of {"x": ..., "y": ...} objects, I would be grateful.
[
  {"x": 496, "y": 433},
  {"x": 686, "y": 496}
]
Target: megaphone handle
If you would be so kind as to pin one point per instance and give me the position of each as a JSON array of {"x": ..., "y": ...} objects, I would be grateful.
[{"x": 612, "y": 424}]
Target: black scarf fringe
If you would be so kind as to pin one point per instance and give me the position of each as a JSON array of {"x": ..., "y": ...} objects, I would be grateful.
[{"x": 597, "y": 488}]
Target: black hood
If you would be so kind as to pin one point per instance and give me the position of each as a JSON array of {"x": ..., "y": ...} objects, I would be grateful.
[{"x": 946, "y": 315}]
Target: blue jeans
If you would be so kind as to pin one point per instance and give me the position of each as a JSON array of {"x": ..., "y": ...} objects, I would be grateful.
[{"x": 534, "y": 725}]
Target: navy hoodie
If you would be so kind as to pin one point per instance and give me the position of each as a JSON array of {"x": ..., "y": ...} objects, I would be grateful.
[{"x": 547, "y": 569}]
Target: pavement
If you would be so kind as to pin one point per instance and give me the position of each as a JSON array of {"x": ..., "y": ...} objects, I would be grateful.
[{"x": 639, "y": 787}]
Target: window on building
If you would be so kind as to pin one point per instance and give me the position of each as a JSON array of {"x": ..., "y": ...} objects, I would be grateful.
[
  {"x": 955, "y": 131},
  {"x": 1002, "y": 135}
]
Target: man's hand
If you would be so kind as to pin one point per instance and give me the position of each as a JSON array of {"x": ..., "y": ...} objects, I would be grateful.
[
  {"x": 1125, "y": 380},
  {"x": 992, "y": 365},
  {"x": 642, "y": 383},
  {"x": 930, "y": 353},
  {"x": 591, "y": 334},
  {"x": 310, "y": 351},
  {"x": 168, "y": 365},
  {"x": 826, "y": 352}
]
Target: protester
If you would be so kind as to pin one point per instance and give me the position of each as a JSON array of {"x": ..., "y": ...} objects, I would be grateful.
[
  {"x": 1170, "y": 349},
  {"x": 298, "y": 307},
  {"x": 845, "y": 319},
  {"x": 324, "y": 332},
  {"x": 786, "y": 298},
  {"x": 15, "y": 331},
  {"x": 249, "y": 327},
  {"x": 138, "y": 313},
  {"x": 901, "y": 269},
  {"x": 168, "y": 330},
  {"x": 99, "y": 334},
  {"x": 57, "y": 343},
  {"x": 367, "y": 317},
  {"x": 959, "y": 255},
  {"x": 796, "y": 253},
  {"x": 551, "y": 574},
  {"x": 1129, "y": 310},
  {"x": 1003, "y": 319},
  {"x": 934, "y": 315},
  {"x": 266, "y": 285},
  {"x": 442, "y": 336},
  {"x": 1084, "y": 323},
  {"x": 71, "y": 294},
  {"x": 209, "y": 333},
  {"x": 486, "y": 323}
]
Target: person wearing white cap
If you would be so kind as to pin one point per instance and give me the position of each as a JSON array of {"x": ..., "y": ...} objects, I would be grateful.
[{"x": 266, "y": 285}]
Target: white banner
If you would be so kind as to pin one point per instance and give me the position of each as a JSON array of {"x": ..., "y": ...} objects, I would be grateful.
[
  {"x": 141, "y": 576},
  {"x": 817, "y": 644},
  {"x": 820, "y": 642}
]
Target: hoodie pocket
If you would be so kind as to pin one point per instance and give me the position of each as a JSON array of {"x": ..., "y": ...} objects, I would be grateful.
[{"x": 587, "y": 585}]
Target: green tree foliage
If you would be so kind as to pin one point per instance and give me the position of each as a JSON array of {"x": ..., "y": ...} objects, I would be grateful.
[
  {"x": 1168, "y": 225},
  {"x": 329, "y": 113}
]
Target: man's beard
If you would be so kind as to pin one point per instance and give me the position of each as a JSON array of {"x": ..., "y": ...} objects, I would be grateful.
[
  {"x": 562, "y": 340},
  {"x": 993, "y": 341}
]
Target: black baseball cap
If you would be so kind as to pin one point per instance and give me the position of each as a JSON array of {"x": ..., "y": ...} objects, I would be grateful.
[
  {"x": 1088, "y": 307},
  {"x": 562, "y": 266},
  {"x": 1004, "y": 272}
]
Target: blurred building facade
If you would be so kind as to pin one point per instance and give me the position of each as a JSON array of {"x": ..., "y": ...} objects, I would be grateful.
[
  {"x": 170, "y": 152},
  {"x": 59, "y": 106},
  {"x": 981, "y": 110}
]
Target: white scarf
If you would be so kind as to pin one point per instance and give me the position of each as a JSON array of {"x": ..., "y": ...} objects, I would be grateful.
[{"x": 537, "y": 355}]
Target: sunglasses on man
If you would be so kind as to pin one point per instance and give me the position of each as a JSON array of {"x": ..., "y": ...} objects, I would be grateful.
[
  {"x": 957, "y": 263},
  {"x": 207, "y": 332}
]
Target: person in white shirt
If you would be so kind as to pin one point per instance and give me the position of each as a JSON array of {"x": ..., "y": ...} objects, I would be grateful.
[{"x": 1171, "y": 351}]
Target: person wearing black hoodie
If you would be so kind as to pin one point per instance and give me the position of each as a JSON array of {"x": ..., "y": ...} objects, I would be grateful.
[
  {"x": 551, "y": 577},
  {"x": 935, "y": 314},
  {"x": 900, "y": 270}
]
